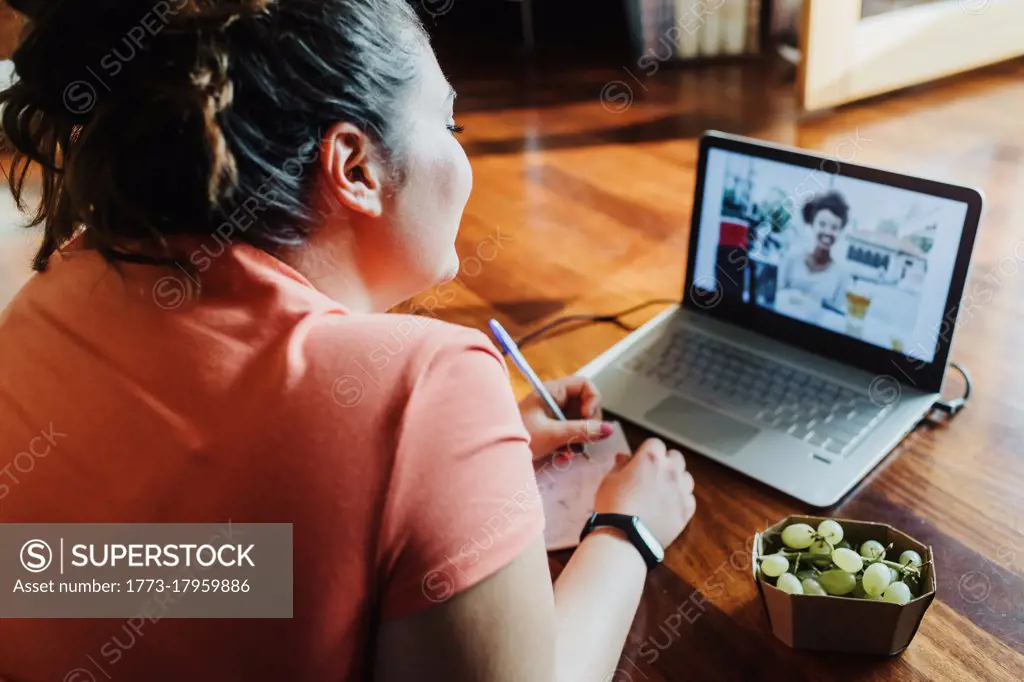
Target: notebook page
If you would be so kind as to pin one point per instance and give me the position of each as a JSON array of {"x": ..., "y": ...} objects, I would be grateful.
[{"x": 567, "y": 490}]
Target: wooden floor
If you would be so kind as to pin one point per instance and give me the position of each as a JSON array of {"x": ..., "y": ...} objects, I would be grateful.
[{"x": 583, "y": 205}]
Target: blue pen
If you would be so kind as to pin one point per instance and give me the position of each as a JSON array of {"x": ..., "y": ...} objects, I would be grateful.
[{"x": 509, "y": 347}]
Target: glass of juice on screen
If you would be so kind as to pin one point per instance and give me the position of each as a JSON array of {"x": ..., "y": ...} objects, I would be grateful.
[{"x": 857, "y": 304}]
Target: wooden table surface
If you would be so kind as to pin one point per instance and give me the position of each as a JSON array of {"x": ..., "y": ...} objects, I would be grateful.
[{"x": 582, "y": 205}]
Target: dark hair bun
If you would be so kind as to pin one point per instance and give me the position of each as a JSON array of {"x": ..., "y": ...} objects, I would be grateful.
[
  {"x": 113, "y": 75},
  {"x": 158, "y": 118},
  {"x": 30, "y": 8},
  {"x": 120, "y": 46}
]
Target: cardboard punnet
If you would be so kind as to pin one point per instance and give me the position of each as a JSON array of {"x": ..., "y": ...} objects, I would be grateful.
[{"x": 844, "y": 623}]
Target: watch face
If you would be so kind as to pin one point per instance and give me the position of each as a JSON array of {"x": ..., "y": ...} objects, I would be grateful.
[{"x": 649, "y": 539}]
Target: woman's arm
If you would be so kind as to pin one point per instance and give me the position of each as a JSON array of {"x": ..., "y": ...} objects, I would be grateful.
[
  {"x": 512, "y": 627},
  {"x": 501, "y": 629},
  {"x": 596, "y": 598},
  {"x": 844, "y": 283}
]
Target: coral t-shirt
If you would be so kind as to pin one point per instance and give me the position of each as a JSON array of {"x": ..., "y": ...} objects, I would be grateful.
[{"x": 393, "y": 444}]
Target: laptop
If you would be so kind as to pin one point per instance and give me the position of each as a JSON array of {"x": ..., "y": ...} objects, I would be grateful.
[{"x": 815, "y": 327}]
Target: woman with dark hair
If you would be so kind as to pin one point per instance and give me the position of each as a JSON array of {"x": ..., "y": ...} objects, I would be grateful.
[
  {"x": 233, "y": 194},
  {"x": 814, "y": 273}
]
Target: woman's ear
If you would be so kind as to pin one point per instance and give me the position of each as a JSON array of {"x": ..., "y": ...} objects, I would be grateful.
[{"x": 353, "y": 172}]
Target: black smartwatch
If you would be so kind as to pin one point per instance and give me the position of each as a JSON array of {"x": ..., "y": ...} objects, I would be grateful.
[{"x": 634, "y": 530}]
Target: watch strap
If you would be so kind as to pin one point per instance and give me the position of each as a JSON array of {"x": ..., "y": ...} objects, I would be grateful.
[{"x": 629, "y": 527}]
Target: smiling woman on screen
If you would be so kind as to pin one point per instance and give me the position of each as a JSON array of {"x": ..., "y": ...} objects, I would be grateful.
[
  {"x": 814, "y": 272},
  {"x": 224, "y": 224}
]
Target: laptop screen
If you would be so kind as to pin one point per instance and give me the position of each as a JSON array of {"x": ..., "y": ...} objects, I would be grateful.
[{"x": 869, "y": 261}]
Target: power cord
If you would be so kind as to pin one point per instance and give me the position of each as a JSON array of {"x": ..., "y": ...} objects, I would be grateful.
[
  {"x": 584, "y": 320},
  {"x": 950, "y": 408}
]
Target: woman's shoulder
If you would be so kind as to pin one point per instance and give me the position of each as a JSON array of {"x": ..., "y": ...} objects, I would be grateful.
[
  {"x": 333, "y": 331},
  {"x": 393, "y": 352},
  {"x": 391, "y": 335}
]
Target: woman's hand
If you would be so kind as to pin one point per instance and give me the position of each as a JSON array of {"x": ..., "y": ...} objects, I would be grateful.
[
  {"x": 653, "y": 485},
  {"x": 581, "y": 403}
]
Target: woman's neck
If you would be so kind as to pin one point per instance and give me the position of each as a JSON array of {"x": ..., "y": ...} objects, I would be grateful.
[
  {"x": 820, "y": 256},
  {"x": 331, "y": 267}
]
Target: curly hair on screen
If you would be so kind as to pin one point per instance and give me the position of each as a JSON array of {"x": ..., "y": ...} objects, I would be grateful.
[
  {"x": 829, "y": 201},
  {"x": 151, "y": 119}
]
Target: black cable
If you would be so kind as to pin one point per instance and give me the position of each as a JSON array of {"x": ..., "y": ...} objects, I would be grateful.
[
  {"x": 613, "y": 318},
  {"x": 951, "y": 407}
]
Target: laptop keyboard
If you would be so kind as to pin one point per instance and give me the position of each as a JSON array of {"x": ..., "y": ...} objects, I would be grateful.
[{"x": 767, "y": 393}]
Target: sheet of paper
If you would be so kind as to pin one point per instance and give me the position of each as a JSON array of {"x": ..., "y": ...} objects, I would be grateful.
[{"x": 567, "y": 489}]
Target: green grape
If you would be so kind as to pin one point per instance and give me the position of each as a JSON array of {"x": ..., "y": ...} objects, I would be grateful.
[
  {"x": 806, "y": 573},
  {"x": 844, "y": 544},
  {"x": 848, "y": 560},
  {"x": 812, "y": 586},
  {"x": 789, "y": 584},
  {"x": 910, "y": 558},
  {"x": 831, "y": 531},
  {"x": 897, "y": 593},
  {"x": 774, "y": 565},
  {"x": 820, "y": 561},
  {"x": 837, "y": 582},
  {"x": 872, "y": 549},
  {"x": 876, "y": 578},
  {"x": 894, "y": 575},
  {"x": 819, "y": 548},
  {"x": 798, "y": 536},
  {"x": 859, "y": 593}
]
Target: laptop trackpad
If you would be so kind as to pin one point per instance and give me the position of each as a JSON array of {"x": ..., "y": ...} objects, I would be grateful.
[{"x": 698, "y": 423}]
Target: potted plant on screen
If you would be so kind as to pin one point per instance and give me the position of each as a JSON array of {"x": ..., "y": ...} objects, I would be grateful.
[{"x": 768, "y": 235}]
